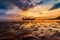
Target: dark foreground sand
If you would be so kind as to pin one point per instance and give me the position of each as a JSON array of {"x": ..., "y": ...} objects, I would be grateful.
[{"x": 30, "y": 30}]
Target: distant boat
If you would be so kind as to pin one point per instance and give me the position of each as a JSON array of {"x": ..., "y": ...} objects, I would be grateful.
[{"x": 27, "y": 18}]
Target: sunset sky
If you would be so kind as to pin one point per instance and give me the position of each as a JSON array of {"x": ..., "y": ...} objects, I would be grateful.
[{"x": 17, "y": 9}]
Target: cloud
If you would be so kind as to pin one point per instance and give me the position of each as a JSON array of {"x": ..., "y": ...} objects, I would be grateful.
[
  {"x": 26, "y": 4},
  {"x": 55, "y": 6},
  {"x": 2, "y": 12},
  {"x": 17, "y": 9},
  {"x": 12, "y": 11}
]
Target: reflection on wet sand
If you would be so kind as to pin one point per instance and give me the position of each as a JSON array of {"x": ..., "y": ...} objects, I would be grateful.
[{"x": 30, "y": 30}]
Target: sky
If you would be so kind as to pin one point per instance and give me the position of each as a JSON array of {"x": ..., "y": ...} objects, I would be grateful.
[{"x": 17, "y": 9}]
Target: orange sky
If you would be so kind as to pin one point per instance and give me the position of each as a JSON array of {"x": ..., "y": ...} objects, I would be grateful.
[{"x": 42, "y": 12}]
